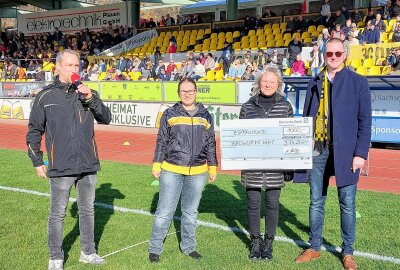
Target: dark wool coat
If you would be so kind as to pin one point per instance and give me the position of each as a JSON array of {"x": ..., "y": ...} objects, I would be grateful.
[{"x": 351, "y": 99}]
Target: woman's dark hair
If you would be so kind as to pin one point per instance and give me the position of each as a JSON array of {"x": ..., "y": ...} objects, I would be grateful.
[{"x": 189, "y": 80}]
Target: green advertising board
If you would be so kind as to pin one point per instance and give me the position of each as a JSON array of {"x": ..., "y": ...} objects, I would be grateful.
[
  {"x": 92, "y": 85},
  {"x": 143, "y": 91},
  {"x": 207, "y": 92}
]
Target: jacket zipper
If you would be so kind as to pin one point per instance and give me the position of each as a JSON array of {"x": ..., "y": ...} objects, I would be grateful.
[{"x": 191, "y": 149}]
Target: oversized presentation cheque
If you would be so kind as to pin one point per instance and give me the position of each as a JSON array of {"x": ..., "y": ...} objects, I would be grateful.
[{"x": 268, "y": 143}]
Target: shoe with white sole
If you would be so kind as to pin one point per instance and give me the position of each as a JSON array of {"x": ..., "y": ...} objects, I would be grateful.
[
  {"x": 93, "y": 259},
  {"x": 56, "y": 264}
]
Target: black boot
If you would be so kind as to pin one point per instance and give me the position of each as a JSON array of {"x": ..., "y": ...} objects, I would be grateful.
[
  {"x": 256, "y": 244},
  {"x": 266, "y": 253}
]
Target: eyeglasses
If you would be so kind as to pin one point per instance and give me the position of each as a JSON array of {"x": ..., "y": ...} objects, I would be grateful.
[
  {"x": 337, "y": 54},
  {"x": 190, "y": 92}
]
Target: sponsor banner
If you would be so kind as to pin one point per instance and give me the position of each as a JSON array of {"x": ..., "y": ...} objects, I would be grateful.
[
  {"x": 92, "y": 85},
  {"x": 15, "y": 108},
  {"x": 373, "y": 51},
  {"x": 21, "y": 89},
  {"x": 385, "y": 103},
  {"x": 144, "y": 91},
  {"x": 223, "y": 112},
  {"x": 207, "y": 92},
  {"x": 132, "y": 43},
  {"x": 133, "y": 114},
  {"x": 385, "y": 130},
  {"x": 73, "y": 20}
]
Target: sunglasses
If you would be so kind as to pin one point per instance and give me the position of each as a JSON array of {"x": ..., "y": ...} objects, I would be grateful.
[{"x": 337, "y": 54}]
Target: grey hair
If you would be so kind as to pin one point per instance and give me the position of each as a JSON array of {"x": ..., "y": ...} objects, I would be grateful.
[
  {"x": 61, "y": 54},
  {"x": 268, "y": 69}
]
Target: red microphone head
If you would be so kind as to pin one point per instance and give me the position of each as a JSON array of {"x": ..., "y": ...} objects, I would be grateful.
[{"x": 75, "y": 77}]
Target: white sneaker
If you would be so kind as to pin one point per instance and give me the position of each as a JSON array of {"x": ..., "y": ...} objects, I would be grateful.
[
  {"x": 93, "y": 259},
  {"x": 56, "y": 264}
]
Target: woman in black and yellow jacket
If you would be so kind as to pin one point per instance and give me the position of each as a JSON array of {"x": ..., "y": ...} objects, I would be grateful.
[{"x": 185, "y": 155}]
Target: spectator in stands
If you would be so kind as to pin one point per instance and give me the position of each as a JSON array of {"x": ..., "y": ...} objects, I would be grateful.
[
  {"x": 345, "y": 12},
  {"x": 121, "y": 63},
  {"x": 275, "y": 60},
  {"x": 227, "y": 56},
  {"x": 346, "y": 44},
  {"x": 354, "y": 32},
  {"x": 161, "y": 23},
  {"x": 323, "y": 40},
  {"x": 209, "y": 64},
  {"x": 353, "y": 40},
  {"x": 31, "y": 69},
  {"x": 370, "y": 17},
  {"x": 261, "y": 59},
  {"x": 235, "y": 69},
  {"x": 169, "y": 21},
  {"x": 256, "y": 71},
  {"x": 395, "y": 9},
  {"x": 298, "y": 67},
  {"x": 258, "y": 23},
  {"x": 329, "y": 21},
  {"x": 198, "y": 70},
  {"x": 340, "y": 19},
  {"x": 336, "y": 32},
  {"x": 143, "y": 62},
  {"x": 247, "y": 25},
  {"x": 102, "y": 66},
  {"x": 21, "y": 73},
  {"x": 295, "y": 47},
  {"x": 396, "y": 34},
  {"x": 57, "y": 35},
  {"x": 387, "y": 11},
  {"x": 180, "y": 20},
  {"x": 316, "y": 60},
  {"x": 268, "y": 13},
  {"x": 157, "y": 55},
  {"x": 396, "y": 23},
  {"x": 190, "y": 57},
  {"x": 371, "y": 34},
  {"x": 93, "y": 72},
  {"x": 151, "y": 24},
  {"x": 171, "y": 68},
  {"x": 394, "y": 61},
  {"x": 147, "y": 71},
  {"x": 347, "y": 28},
  {"x": 189, "y": 68},
  {"x": 197, "y": 19},
  {"x": 325, "y": 9},
  {"x": 157, "y": 68},
  {"x": 301, "y": 25},
  {"x": 163, "y": 76},
  {"x": 290, "y": 25},
  {"x": 40, "y": 74},
  {"x": 202, "y": 58},
  {"x": 182, "y": 71},
  {"x": 248, "y": 74},
  {"x": 378, "y": 22}
]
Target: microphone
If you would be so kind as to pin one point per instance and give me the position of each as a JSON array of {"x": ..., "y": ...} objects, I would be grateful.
[{"x": 76, "y": 81}]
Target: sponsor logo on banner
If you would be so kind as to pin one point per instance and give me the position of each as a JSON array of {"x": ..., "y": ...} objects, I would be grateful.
[
  {"x": 385, "y": 103},
  {"x": 132, "y": 43},
  {"x": 13, "y": 89},
  {"x": 133, "y": 114},
  {"x": 15, "y": 108},
  {"x": 219, "y": 113},
  {"x": 144, "y": 91},
  {"x": 72, "y": 20}
]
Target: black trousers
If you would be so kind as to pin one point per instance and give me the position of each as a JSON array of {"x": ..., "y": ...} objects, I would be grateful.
[{"x": 271, "y": 210}]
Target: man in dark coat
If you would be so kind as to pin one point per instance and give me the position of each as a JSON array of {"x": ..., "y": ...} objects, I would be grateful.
[{"x": 342, "y": 138}]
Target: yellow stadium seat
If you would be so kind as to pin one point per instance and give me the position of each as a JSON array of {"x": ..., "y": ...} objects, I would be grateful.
[
  {"x": 361, "y": 24},
  {"x": 213, "y": 47},
  {"x": 307, "y": 40},
  {"x": 200, "y": 32},
  {"x": 305, "y": 35},
  {"x": 197, "y": 48},
  {"x": 267, "y": 26},
  {"x": 283, "y": 26},
  {"x": 270, "y": 43},
  {"x": 213, "y": 41},
  {"x": 287, "y": 42},
  {"x": 261, "y": 38},
  {"x": 275, "y": 25},
  {"x": 312, "y": 28},
  {"x": 295, "y": 35},
  {"x": 252, "y": 33},
  {"x": 210, "y": 76},
  {"x": 278, "y": 36},
  {"x": 269, "y": 37},
  {"x": 375, "y": 71},
  {"x": 361, "y": 70},
  {"x": 221, "y": 35},
  {"x": 287, "y": 36},
  {"x": 276, "y": 31},
  {"x": 315, "y": 34},
  {"x": 206, "y": 41},
  {"x": 236, "y": 34},
  {"x": 369, "y": 62},
  {"x": 245, "y": 39},
  {"x": 262, "y": 43},
  {"x": 162, "y": 34},
  {"x": 253, "y": 38},
  {"x": 214, "y": 35},
  {"x": 208, "y": 31},
  {"x": 253, "y": 45},
  {"x": 267, "y": 32},
  {"x": 236, "y": 45},
  {"x": 320, "y": 28},
  {"x": 279, "y": 43},
  {"x": 220, "y": 46}
]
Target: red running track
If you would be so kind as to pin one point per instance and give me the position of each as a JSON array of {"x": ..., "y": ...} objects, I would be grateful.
[{"x": 383, "y": 175}]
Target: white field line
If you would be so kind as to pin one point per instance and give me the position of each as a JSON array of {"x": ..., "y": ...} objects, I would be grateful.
[{"x": 331, "y": 249}]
